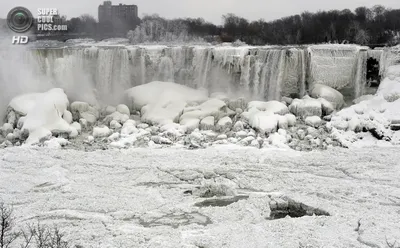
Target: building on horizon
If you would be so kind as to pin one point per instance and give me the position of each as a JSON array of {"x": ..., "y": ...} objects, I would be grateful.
[{"x": 120, "y": 17}]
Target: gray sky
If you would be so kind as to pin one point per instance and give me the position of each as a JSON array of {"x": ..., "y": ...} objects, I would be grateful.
[{"x": 211, "y": 10}]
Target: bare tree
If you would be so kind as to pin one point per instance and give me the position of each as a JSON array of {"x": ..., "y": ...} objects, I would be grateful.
[{"x": 7, "y": 236}]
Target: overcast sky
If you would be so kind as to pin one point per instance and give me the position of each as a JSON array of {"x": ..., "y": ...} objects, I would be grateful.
[{"x": 211, "y": 10}]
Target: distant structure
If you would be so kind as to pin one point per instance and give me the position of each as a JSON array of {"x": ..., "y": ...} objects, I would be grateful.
[{"x": 118, "y": 14}]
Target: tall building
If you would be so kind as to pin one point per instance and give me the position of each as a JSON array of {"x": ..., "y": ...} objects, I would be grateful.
[{"x": 128, "y": 14}]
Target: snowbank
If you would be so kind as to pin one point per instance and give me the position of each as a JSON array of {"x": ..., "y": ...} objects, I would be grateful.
[
  {"x": 162, "y": 102},
  {"x": 45, "y": 115}
]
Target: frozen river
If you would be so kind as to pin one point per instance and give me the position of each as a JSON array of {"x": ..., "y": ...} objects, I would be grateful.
[{"x": 159, "y": 197}]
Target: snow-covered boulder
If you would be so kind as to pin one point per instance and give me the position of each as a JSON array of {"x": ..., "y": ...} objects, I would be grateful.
[
  {"x": 115, "y": 124},
  {"x": 56, "y": 143},
  {"x": 313, "y": 121},
  {"x": 82, "y": 110},
  {"x": 12, "y": 118},
  {"x": 190, "y": 124},
  {"x": 327, "y": 107},
  {"x": 46, "y": 116},
  {"x": 129, "y": 128},
  {"x": 331, "y": 95},
  {"x": 77, "y": 127},
  {"x": 22, "y": 104},
  {"x": 109, "y": 110},
  {"x": 224, "y": 124},
  {"x": 116, "y": 116},
  {"x": 291, "y": 119},
  {"x": 83, "y": 123},
  {"x": 283, "y": 122},
  {"x": 162, "y": 102},
  {"x": 389, "y": 89},
  {"x": 239, "y": 126},
  {"x": 6, "y": 129},
  {"x": 240, "y": 103},
  {"x": 306, "y": 107},
  {"x": 264, "y": 121},
  {"x": 123, "y": 109},
  {"x": 67, "y": 116},
  {"x": 207, "y": 123},
  {"x": 113, "y": 137},
  {"x": 101, "y": 132},
  {"x": 271, "y": 106}
]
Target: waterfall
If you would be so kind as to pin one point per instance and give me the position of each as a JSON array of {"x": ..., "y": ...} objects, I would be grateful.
[{"x": 261, "y": 73}]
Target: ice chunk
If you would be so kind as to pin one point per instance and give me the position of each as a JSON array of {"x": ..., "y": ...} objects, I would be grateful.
[{"x": 271, "y": 106}]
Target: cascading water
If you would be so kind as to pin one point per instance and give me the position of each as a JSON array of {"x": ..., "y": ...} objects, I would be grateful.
[{"x": 261, "y": 73}]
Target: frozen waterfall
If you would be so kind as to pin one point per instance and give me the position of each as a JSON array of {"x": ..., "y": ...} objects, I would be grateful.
[{"x": 259, "y": 73}]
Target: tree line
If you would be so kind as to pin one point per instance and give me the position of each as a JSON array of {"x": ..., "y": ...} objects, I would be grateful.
[{"x": 376, "y": 25}]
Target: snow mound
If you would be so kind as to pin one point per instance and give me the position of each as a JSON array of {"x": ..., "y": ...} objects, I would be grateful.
[
  {"x": 23, "y": 104},
  {"x": 390, "y": 88},
  {"x": 162, "y": 102},
  {"x": 46, "y": 116}
]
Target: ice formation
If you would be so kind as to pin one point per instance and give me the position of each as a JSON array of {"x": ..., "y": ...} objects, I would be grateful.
[{"x": 158, "y": 95}]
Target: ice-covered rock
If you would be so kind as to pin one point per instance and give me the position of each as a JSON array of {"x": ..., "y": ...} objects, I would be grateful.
[
  {"x": 246, "y": 141},
  {"x": 129, "y": 128},
  {"x": 116, "y": 116},
  {"x": 313, "y": 121},
  {"x": 207, "y": 123},
  {"x": 89, "y": 117},
  {"x": 271, "y": 106},
  {"x": 56, "y": 143},
  {"x": 239, "y": 126},
  {"x": 264, "y": 121},
  {"x": 161, "y": 140},
  {"x": 287, "y": 100},
  {"x": 327, "y": 107},
  {"x": 224, "y": 124},
  {"x": 331, "y": 95},
  {"x": 190, "y": 124},
  {"x": 6, "y": 129},
  {"x": 291, "y": 119},
  {"x": 123, "y": 109},
  {"x": 12, "y": 118},
  {"x": 242, "y": 134},
  {"x": 143, "y": 125},
  {"x": 22, "y": 104},
  {"x": 115, "y": 124},
  {"x": 101, "y": 132},
  {"x": 173, "y": 130},
  {"x": 113, "y": 137},
  {"x": 110, "y": 109},
  {"x": 67, "y": 116},
  {"x": 46, "y": 114},
  {"x": 77, "y": 108},
  {"x": 240, "y": 103},
  {"x": 306, "y": 107},
  {"x": 389, "y": 89},
  {"x": 283, "y": 122},
  {"x": 162, "y": 102},
  {"x": 83, "y": 123}
]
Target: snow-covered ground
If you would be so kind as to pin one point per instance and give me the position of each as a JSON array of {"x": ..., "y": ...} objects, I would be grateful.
[{"x": 150, "y": 197}]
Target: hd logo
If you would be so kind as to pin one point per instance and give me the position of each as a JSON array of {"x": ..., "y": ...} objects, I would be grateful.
[{"x": 19, "y": 20}]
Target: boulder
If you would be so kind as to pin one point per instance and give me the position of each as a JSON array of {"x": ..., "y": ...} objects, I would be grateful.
[
  {"x": 331, "y": 95},
  {"x": 207, "y": 123}
]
